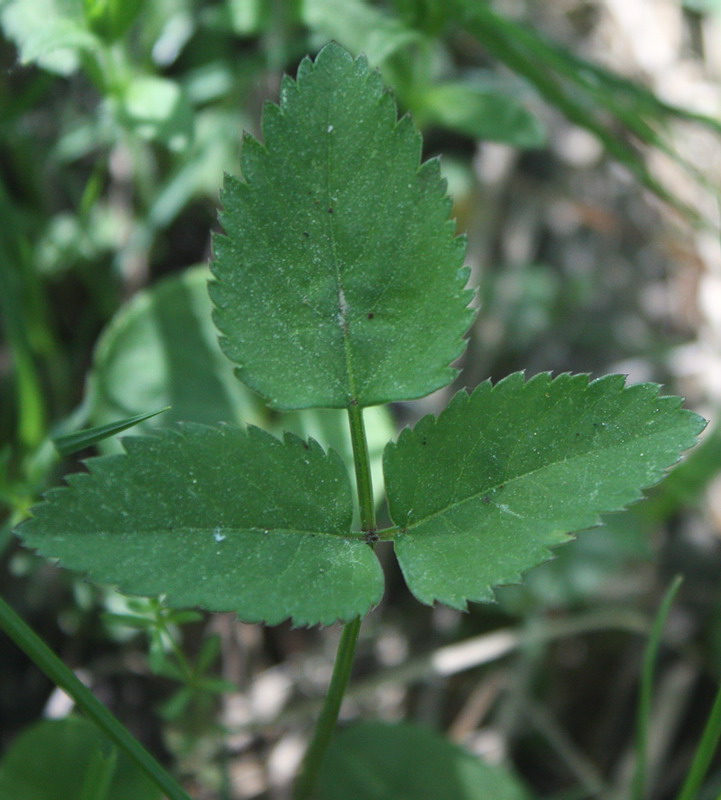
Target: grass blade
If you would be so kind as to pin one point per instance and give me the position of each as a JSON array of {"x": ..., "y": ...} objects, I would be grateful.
[
  {"x": 643, "y": 715},
  {"x": 69, "y": 443},
  {"x": 704, "y": 753},
  {"x": 586, "y": 95}
]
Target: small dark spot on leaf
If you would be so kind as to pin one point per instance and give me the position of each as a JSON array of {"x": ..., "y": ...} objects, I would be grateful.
[
  {"x": 370, "y": 315},
  {"x": 330, "y": 210},
  {"x": 486, "y": 499},
  {"x": 424, "y": 441},
  {"x": 306, "y": 446},
  {"x": 306, "y": 234}
]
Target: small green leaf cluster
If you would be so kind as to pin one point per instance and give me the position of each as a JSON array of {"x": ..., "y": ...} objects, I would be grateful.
[
  {"x": 339, "y": 283},
  {"x": 166, "y": 656}
]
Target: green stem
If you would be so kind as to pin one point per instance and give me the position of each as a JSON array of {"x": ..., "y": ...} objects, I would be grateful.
[
  {"x": 704, "y": 753},
  {"x": 362, "y": 463},
  {"x": 28, "y": 641},
  {"x": 325, "y": 726}
]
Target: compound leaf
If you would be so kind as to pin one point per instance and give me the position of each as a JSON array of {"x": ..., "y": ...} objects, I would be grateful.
[
  {"x": 480, "y": 493},
  {"x": 339, "y": 279},
  {"x": 223, "y": 518}
]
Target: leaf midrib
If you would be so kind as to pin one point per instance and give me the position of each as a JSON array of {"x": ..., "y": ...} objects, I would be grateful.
[
  {"x": 342, "y": 315},
  {"x": 227, "y": 531}
]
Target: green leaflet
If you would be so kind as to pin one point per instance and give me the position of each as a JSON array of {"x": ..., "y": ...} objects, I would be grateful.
[
  {"x": 339, "y": 279},
  {"x": 221, "y": 518},
  {"x": 480, "y": 493}
]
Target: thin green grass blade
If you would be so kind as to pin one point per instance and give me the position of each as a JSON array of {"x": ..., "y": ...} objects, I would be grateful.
[
  {"x": 704, "y": 753},
  {"x": 31, "y": 412},
  {"x": 593, "y": 76},
  {"x": 643, "y": 715},
  {"x": 583, "y": 95},
  {"x": 70, "y": 443}
]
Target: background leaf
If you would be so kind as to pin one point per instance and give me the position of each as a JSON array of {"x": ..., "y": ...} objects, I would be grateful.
[
  {"x": 161, "y": 349},
  {"x": 361, "y": 27},
  {"x": 52, "y": 33},
  {"x": 156, "y": 108},
  {"x": 483, "y": 112},
  {"x": 593, "y": 570},
  {"x": 380, "y": 761},
  {"x": 339, "y": 279},
  {"x": 218, "y": 518},
  {"x": 51, "y": 759},
  {"x": 481, "y": 492},
  {"x": 111, "y": 19}
]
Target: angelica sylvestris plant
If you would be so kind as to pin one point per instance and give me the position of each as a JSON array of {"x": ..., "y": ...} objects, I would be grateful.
[{"x": 339, "y": 283}]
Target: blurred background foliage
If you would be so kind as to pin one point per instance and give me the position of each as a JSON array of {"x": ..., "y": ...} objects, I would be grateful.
[{"x": 580, "y": 140}]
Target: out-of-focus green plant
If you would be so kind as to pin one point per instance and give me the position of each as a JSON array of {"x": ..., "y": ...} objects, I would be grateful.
[
  {"x": 119, "y": 120},
  {"x": 111, "y": 19}
]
